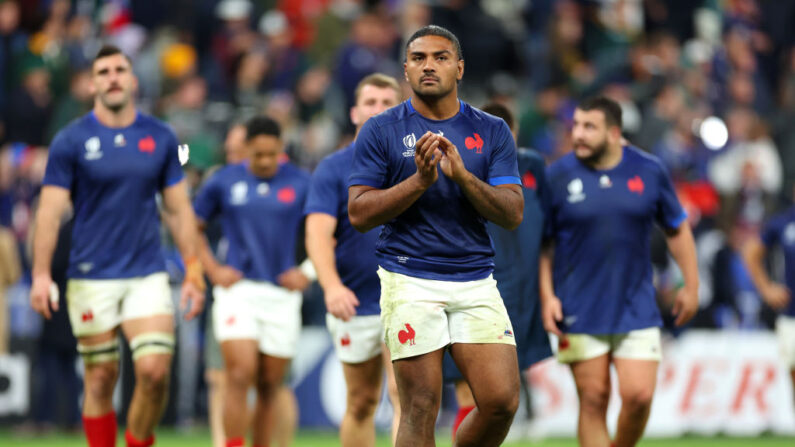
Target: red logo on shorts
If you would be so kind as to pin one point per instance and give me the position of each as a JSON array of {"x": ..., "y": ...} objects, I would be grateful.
[
  {"x": 286, "y": 194},
  {"x": 407, "y": 335},
  {"x": 230, "y": 321},
  {"x": 87, "y": 316},
  {"x": 474, "y": 143},
  {"x": 345, "y": 340},
  {"x": 146, "y": 144},
  {"x": 635, "y": 184},
  {"x": 563, "y": 343}
]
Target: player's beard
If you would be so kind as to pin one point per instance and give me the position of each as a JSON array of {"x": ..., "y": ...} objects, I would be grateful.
[
  {"x": 117, "y": 105},
  {"x": 598, "y": 152},
  {"x": 434, "y": 94}
]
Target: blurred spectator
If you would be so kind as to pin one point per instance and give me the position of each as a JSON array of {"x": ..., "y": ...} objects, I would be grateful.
[
  {"x": 30, "y": 107},
  {"x": 286, "y": 62},
  {"x": 13, "y": 43},
  {"x": 186, "y": 111},
  {"x": 75, "y": 104}
]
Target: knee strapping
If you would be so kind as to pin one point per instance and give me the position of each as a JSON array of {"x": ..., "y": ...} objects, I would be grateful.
[
  {"x": 99, "y": 353},
  {"x": 151, "y": 343}
]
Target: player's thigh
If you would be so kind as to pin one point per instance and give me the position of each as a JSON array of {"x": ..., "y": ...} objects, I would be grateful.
[
  {"x": 363, "y": 380},
  {"x": 272, "y": 370},
  {"x": 477, "y": 314},
  {"x": 636, "y": 380},
  {"x": 100, "y": 354},
  {"x": 785, "y": 332},
  {"x": 93, "y": 305},
  {"x": 419, "y": 383},
  {"x": 356, "y": 340},
  {"x": 491, "y": 370},
  {"x": 592, "y": 380},
  {"x": 278, "y": 320},
  {"x": 241, "y": 360},
  {"x": 147, "y": 296},
  {"x": 413, "y": 314}
]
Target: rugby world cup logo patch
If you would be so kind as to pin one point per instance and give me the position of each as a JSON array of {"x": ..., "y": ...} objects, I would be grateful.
[
  {"x": 409, "y": 141},
  {"x": 575, "y": 188}
]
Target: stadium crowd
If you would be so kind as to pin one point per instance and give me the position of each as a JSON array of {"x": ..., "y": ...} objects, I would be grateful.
[{"x": 678, "y": 68}]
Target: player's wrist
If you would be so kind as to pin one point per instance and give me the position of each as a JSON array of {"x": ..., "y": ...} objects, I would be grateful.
[{"x": 420, "y": 182}]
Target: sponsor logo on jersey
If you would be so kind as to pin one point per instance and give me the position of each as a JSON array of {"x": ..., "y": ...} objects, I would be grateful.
[
  {"x": 147, "y": 144},
  {"x": 286, "y": 194},
  {"x": 263, "y": 189},
  {"x": 409, "y": 141},
  {"x": 238, "y": 194},
  {"x": 635, "y": 184},
  {"x": 93, "y": 151},
  {"x": 529, "y": 180},
  {"x": 575, "y": 191},
  {"x": 474, "y": 142}
]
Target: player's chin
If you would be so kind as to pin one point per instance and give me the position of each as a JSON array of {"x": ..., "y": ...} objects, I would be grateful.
[{"x": 583, "y": 153}]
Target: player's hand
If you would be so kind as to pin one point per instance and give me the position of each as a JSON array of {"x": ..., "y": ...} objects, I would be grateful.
[
  {"x": 452, "y": 164},
  {"x": 193, "y": 295},
  {"x": 552, "y": 314},
  {"x": 340, "y": 301},
  {"x": 293, "y": 279},
  {"x": 776, "y": 296},
  {"x": 685, "y": 305},
  {"x": 224, "y": 276},
  {"x": 42, "y": 296},
  {"x": 426, "y": 157}
]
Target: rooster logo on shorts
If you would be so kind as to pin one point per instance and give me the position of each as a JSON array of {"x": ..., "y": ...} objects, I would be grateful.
[{"x": 407, "y": 335}]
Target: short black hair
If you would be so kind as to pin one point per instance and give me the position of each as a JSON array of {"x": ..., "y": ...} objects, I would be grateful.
[
  {"x": 436, "y": 30},
  {"x": 607, "y": 106},
  {"x": 262, "y": 125},
  {"x": 500, "y": 111},
  {"x": 110, "y": 50}
]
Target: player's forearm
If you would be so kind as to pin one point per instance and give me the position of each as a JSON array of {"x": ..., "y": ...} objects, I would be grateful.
[
  {"x": 501, "y": 205},
  {"x": 45, "y": 237},
  {"x": 320, "y": 249},
  {"x": 754, "y": 255},
  {"x": 683, "y": 249},
  {"x": 185, "y": 232},
  {"x": 374, "y": 207},
  {"x": 546, "y": 288}
]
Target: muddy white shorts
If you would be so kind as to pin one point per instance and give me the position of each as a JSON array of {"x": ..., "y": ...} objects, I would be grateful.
[
  {"x": 640, "y": 344},
  {"x": 260, "y": 311},
  {"x": 356, "y": 340},
  {"x": 99, "y": 305},
  {"x": 785, "y": 331},
  {"x": 424, "y": 315}
]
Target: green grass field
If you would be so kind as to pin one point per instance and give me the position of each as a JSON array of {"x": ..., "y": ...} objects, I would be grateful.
[{"x": 200, "y": 438}]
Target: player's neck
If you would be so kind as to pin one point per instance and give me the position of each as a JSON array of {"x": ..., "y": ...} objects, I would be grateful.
[
  {"x": 610, "y": 159},
  {"x": 438, "y": 108},
  {"x": 121, "y": 118}
]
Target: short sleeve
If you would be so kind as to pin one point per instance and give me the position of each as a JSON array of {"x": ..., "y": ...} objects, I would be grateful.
[
  {"x": 172, "y": 170},
  {"x": 369, "y": 158},
  {"x": 324, "y": 189},
  {"x": 670, "y": 213},
  {"x": 61, "y": 162},
  {"x": 503, "y": 167},
  {"x": 207, "y": 203},
  {"x": 771, "y": 232}
]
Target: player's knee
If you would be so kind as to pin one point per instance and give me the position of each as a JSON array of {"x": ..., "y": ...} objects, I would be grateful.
[
  {"x": 637, "y": 400},
  {"x": 361, "y": 404},
  {"x": 594, "y": 399},
  {"x": 152, "y": 374},
  {"x": 100, "y": 381},
  {"x": 499, "y": 404},
  {"x": 240, "y": 375},
  {"x": 421, "y": 405}
]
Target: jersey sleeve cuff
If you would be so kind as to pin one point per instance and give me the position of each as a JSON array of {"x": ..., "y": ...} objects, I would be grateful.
[
  {"x": 676, "y": 222},
  {"x": 317, "y": 209},
  {"x": 51, "y": 182},
  {"x": 174, "y": 181},
  {"x": 366, "y": 181},
  {"x": 504, "y": 180}
]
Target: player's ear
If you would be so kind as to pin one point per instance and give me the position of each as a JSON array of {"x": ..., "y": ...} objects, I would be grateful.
[
  {"x": 352, "y": 114},
  {"x": 460, "y": 74},
  {"x": 405, "y": 73}
]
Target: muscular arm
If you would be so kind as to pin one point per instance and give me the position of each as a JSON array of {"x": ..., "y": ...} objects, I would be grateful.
[
  {"x": 683, "y": 249},
  {"x": 551, "y": 308},
  {"x": 776, "y": 295},
  {"x": 340, "y": 300},
  {"x": 502, "y": 204},
  {"x": 370, "y": 207},
  {"x": 52, "y": 204}
]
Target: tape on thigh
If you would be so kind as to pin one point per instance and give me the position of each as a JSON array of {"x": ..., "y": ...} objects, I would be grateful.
[
  {"x": 100, "y": 353},
  {"x": 152, "y": 343}
]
